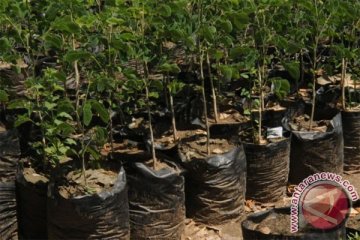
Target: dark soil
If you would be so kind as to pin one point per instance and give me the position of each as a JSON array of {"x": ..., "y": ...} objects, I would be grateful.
[
  {"x": 248, "y": 136},
  {"x": 97, "y": 180},
  {"x": 229, "y": 116},
  {"x": 126, "y": 147},
  {"x": 126, "y": 150},
  {"x": 195, "y": 145},
  {"x": 159, "y": 165},
  {"x": 302, "y": 123}
]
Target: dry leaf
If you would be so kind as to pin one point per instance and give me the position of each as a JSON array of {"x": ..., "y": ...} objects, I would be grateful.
[
  {"x": 265, "y": 230},
  {"x": 217, "y": 151}
]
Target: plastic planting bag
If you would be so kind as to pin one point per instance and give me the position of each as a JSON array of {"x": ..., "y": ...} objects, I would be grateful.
[
  {"x": 267, "y": 170},
  {"x": 314, "y": 152},
  {"x": 215, "y": 187},
  {"x": 156, "y": 201},
  {"x": 8, "y": 222},
  {"x": 31, "y": 201},
  {"x": 9, "y": 155},
  {"x": 351, "y": 128},
  {"x": 97, "y": 216}
]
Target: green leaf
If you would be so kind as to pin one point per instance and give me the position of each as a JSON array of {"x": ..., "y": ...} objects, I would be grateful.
[
  {"x": 209, "y": 33},
  {"x": 226, "y": 26},
  {"x": 169, "y": 68},
  {"x": 175, "y": 86},
  {"x": 240, "y": 20},
  {"x": 227, "y": 72},
  {"x": 65, "y": 115},
  {"x": 153, "y": 95},
  {"x": 76, "y": 55},
  {"x": 70, "y": 141},
  {"x": 87, "y": 114},
  {"x": 21, "y": 119},
  {"x": 4, "y": 97},
  {"x": 53, "y": 41},
  {"x": 165, "y": 10},
  {"x": 115, "y": 21},
  {"x": 19, "y": 103},
  {"x": 101, "y": 110},
  {"x": 4, "y": 45},
  {"x": 293, "y": 68},
  {"x": 66, "y": 25},
  {"x": 49, "y": 105},
  {"x": 281, "y": 87}
]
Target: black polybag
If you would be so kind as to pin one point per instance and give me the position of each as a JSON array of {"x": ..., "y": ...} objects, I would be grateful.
[
  {"x": 215, "y": 187},
  {"x": 96, "y": 216},
  {"x": 9, "y": 156},
  {"x": 8, "y": 222},
  {"x": 31, "y": 202},
  {"x": 156, "y": 201},
  {"x": 314, "y": 152},
  {"x": 250, "y": 232},
  {"x": 267, "y": 170},
  {"x": 351, "y": 128}
]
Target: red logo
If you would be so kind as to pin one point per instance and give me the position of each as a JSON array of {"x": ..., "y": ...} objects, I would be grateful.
[{"x": 325, "y": 205}]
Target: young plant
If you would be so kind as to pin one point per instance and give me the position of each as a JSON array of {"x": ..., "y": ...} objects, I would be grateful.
[
  {"x": 173, "y": 88},
  {"x": 317, "y": 24},
  {"x": 76, "y": 26},
  {"x": 347, "y": 24},
  {"x": 141, "y": 21}
]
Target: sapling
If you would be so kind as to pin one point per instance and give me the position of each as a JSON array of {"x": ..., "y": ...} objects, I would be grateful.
[
  {"x": 202, "y": 30},
  {"x": 173, "y": 87},
  {"x": 317, "y": 24}
]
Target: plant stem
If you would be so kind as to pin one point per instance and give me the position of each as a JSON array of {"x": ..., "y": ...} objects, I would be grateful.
[
  {"x": 301, "y": 71},
  {"x": 314, "y": 85},
  {"x": 216, "y": 116},
  {"x": 173, "y": 120},
  {"x": 343, "y": 75},
  {"x": 261, "y": 96},
  {"x": 145, "y": 79},
  {"x": 77, "y": 109},
  {"x": 204, "y": 100}
]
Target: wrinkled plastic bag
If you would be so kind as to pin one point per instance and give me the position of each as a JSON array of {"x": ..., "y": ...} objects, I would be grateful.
[
  {"x": 156, "y": 201},
  {"x": 314, "y": 152},
  {"x": 267, "y": 170},
  {"x": 9, "y": 156},
  {"x": 8, "y": 221},
  {"x": 351, "y": 128},
  {"x": 31, "y": 201},
  {"x": 215, "y": 187},
  {"x": 97, "y": 216}
]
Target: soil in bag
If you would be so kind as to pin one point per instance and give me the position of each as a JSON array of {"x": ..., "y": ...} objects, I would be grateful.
[
  {"x": 215, "y": 184},
  {"x": 319, "y": 150},
  {"x": 98, "y": 210},
  {"x": 351, "y": 128},
  {"x": 275, "y": 225},
  {"x": 267, "y": 169},
  {"x": 31, "y": 190},
  {"x": 156, "y": 200}
]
